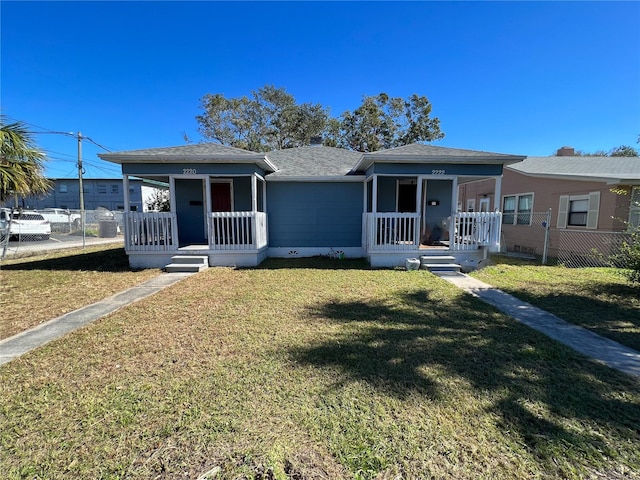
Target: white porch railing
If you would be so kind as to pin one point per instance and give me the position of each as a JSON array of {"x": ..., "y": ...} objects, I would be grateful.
[
  {"x": 390, "y": 231},
  {"x": 237, "y": 230},
  {"x": 476, "y": 229},
  {"x": 150, "y": 231}
]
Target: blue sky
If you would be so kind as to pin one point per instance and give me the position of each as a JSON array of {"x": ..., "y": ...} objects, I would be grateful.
[{"x": 511, "y": 77}]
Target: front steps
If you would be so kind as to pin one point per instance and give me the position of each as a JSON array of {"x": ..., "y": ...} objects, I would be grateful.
[
  {"x": 188, "y": 263},
  {"x": 439, "y": 264}
]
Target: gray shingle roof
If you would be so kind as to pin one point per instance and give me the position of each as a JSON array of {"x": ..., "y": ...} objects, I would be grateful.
[
  {"x": 420, "y": 149},
  {"x": 418, "y": 152},
  {"x": 194, "y": 153},
  {"x": 315, "y": 161},
  {"x": 610, "y": 169},
  {"x": 198, "y": 149}
]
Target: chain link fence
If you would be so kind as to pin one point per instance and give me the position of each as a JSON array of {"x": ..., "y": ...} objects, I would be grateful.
[
  {"x": 35, "y": 229},
  {"x": 539, "y": 240}
]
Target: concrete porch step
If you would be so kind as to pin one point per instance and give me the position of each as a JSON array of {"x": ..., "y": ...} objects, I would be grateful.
[
  {"x": 441, "y": 267},
  {"x": 424, "y": 259},
  {"x": 188, "y": 263},
  {"x": 439, "y": 263}
]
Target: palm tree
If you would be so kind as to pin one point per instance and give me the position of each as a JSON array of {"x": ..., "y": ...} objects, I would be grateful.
[{"x": 21, "y": 162}]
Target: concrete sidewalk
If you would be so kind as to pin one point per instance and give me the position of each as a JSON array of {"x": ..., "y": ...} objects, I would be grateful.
[
  {"x": 580, "y": 339},
  {"x": 26, "y": 341}
]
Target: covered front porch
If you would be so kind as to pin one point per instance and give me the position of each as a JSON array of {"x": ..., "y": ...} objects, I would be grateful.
[
  {"x": 232, "y": 238},
  {"x": 409, "y": 216},
  {"x": 216, "y": 206}
]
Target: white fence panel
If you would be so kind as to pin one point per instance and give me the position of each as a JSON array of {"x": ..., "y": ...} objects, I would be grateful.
[
  {"x": 391, "y": 231},
  {"x": 237, "y": 230},
  {"x": 150, "y": 231}
]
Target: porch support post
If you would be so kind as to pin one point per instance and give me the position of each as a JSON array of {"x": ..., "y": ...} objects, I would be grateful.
[
  {"x": 417, "y": 230},
  {"x": 454, "y": 208},
  {"x": 207, "y": 192},
  {"x": 254, "y": 193},
  {"x": 172, "y": 194},
  {"x": 127, "y": 199},
  {"x": 497, "y": 204},
  {"x": 374, "y": 195}
]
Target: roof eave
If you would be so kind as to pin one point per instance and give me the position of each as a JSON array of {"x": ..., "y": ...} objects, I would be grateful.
[
  {"x": 581, "y": 178},
  {"x": 370, "y": 158},
  {"x": 259, "y": 160}
]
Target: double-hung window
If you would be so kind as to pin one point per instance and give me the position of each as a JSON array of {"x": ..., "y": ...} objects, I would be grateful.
[
  {"x": 579, "y": 210},
  {"x": 516, "y": 209}
]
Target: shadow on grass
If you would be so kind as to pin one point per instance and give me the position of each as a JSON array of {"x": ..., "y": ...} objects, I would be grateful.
[
  {"x": 413, "y": 344},
  {"x": 609, "y": 318},
  {"x": 112, "y": 260},
  {"x": 319, "y": 263}
]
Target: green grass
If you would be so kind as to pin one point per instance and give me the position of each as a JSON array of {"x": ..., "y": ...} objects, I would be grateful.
[
  {"x": 37, "y": 288},
  {"x": 600, "y": 299},
  {"x": 299, "y": 371}
]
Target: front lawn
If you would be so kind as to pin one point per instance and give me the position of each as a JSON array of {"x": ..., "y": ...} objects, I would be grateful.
[
  {"x": 299, "y": 371},
  {"x": 38, "y": 288},
  {"x": 600, "y": 299}
]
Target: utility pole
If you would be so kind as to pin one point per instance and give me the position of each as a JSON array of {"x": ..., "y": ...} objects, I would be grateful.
[{"x": 80, "y": 172}]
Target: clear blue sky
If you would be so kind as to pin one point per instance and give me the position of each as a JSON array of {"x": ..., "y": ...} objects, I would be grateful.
[{"x": 511, "y": 77}]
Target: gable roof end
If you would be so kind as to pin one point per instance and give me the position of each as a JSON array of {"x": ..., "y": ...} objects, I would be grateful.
[
  {"x": 196, "y": 153},
  {"x": 420, "y": 153}
]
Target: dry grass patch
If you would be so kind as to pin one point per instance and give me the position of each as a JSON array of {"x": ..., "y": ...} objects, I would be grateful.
[
  {"x": 36, "y": 289},
  {"x": 600, "y": 299},
  {"x": 314, "y": 373}
]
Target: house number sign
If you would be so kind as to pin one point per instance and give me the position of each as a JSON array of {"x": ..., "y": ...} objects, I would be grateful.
[
  {"x": 438, "y": 172},
  {"x": 189, "y": 171}
]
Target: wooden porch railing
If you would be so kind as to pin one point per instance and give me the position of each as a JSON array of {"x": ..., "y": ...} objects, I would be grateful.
[
  {"x": 237, "y": 230},
  {"x": 150, "y": 231},
  {"x": 390, "y": 231},
  {"x": 476, "y": 229}
]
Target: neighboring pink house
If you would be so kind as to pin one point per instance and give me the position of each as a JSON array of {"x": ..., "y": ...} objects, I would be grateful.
[{"x": 587, "y": 197}]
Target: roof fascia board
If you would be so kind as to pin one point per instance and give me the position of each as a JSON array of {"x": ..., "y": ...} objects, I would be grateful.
[
  {"x": 579, "y": 178},
  {"x": 369, "y": 159},
  {"x": 260, "y": 160}
]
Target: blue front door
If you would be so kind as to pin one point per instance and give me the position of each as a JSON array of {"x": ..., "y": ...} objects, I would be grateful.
[{"x": 190, "y": 210}]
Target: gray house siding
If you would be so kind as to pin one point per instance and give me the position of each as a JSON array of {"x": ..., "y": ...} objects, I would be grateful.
[
  {"x": 315, "y": 214},
  {"x": 440, "y": 191},
  {"x": 387, "y": 194},
  {"x": 242, "y": 194}
]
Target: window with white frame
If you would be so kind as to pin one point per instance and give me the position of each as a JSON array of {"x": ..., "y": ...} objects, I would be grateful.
[
  {"x": 516, "y": 209},
  {"x": 102, "y": 188},
  {"x": 579, "y": 210},
  {"x": 634, "y": 209}
]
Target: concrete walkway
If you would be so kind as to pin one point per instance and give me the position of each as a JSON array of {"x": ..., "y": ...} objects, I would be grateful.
[
  {"x": 580, "y": 339},
  {"x": 28, "y": 340}
]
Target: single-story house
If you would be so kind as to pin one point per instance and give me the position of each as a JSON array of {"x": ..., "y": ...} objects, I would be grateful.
[
  {"x": 597, "y": 195},
  {"x": 238, "y": 207}
]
